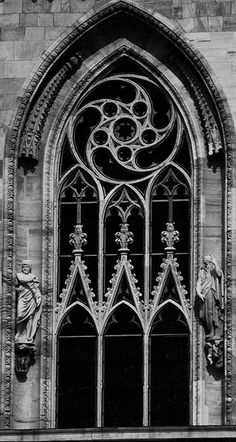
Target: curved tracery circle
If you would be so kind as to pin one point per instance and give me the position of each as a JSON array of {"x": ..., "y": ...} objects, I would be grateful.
[
  {"x": 136, "y": 129},
  {"x": 124, "y": 129}
]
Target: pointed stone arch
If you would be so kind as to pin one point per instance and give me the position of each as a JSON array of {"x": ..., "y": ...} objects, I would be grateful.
[{"x": 62, "y": 62}]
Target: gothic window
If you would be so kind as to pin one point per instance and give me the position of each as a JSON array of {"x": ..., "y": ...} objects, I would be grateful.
[{"x": 123, "y": 313}]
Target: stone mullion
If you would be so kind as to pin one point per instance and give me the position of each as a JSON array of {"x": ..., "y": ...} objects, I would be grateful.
[
  {"x": 100, "y": 252},
  {"x": 145, "y": 380},
  {"x": 147, "y": 288},
  {"x": 99, "y": 379}
]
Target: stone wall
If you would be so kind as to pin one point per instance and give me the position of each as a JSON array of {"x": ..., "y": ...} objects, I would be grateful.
[{"x": 29, "y": 27}]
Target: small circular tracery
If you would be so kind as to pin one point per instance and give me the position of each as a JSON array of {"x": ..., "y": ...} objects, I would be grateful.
[{"x": 125, "y": 129}]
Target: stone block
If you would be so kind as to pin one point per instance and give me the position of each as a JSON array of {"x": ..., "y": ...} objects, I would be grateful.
[
  {"x": 10, "y": 85},
  {"x": 28, "y": 19},
  {"x": 16, "y": 69},
  {"x": 229, "y": 23},
  {"x": 7, "y": 101},
  {"x": 200, "y": 24},
  {"x": 32, "y": 33},
  {"x": 39, "y": 6},
  {"x": 215, "y": 23},
  {"x": 164, "y": 8},
  {"x": 81, "y": 5},
  {"x": 45, "y": 19},
  {"x": 177, "y": 11},
  {"x": 55, "y": 6},
  {"x": 209, "y": 8},
  {"x": 187, "y": 24},
  {"x": 28, "y": 50},
  {"x": 6, "y": 50},
  {"x": 66, "y": 19},
  {"x": 12, "y": 33},
  {"x": 9, "y": 20},
  {"x": 65, "y": 6},
  {"x": 51, "y": 33},
  {"x": 189, "y": 10},
  {"x": 11, "y": 6}
]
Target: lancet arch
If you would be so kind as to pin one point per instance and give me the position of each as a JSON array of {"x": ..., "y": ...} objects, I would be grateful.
[{"x": 178, "y": 70}]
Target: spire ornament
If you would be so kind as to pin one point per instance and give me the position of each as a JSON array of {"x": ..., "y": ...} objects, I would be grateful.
[
  {"x": 124, "y": 238},
  {"x": 170, "y": 236},
  {"x": 78, "y": 239}
]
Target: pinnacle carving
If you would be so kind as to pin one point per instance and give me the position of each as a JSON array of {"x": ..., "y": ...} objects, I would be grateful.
[
  {"x": 124, "y": 237},
  {"x": 78, "y": 239},
  {"x": 170, "y": 236}
]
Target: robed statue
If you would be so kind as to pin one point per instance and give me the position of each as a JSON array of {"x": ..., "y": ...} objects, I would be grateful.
[
  {"x": 29, "y": 304},
  {"x": 210, "y": 292}
]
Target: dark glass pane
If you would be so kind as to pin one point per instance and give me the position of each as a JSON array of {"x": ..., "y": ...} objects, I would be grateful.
[
  {"x": 109, "y": 264},
  {"x": 123, "y": 381},
  {"x": 169, "y": 320},
  {"x": 181, "y": 214},
  {"x": 183, "y": 156},
  {"x": 170, "y": 291},
  {"x": 169, "y": 380},
  {"x": 112, "y": 226},
  {"x": 123, "y": 321},
  {"x": 64, "y": 271},
  {"x": 67, "y": 159},
  {"x": 138, "y": 270},
  {"x": 89, "y": 220},
  {"x": 76, "y": 382},
  {"x": 137, "y": 228},
  {"x": 156, "y": 261},
  {"x": 67, "y": 223},
  {"x": 91, "y": 263},
  {"x": 184, "y": 268},
  {"x": 78, "y": 322},
  {"x": 123, "y": 292},
  {"x": 78, "y": 293},
  {"x": 160, "y": 216}
]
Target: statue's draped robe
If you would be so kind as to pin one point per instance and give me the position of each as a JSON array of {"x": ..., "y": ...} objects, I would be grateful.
[
  {"x": 29, "y": 307},
  {"x": 210, "y": 286}
]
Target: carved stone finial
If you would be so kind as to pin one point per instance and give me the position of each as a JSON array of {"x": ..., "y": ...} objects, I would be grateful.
[
  {"x": 124, "y": 237},
  {"x": 170, "y": 236},
  {"x": 78, "y": 239}
]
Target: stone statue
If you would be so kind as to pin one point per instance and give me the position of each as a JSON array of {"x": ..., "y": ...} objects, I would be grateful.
[
  {"x": 29, "y": 305},
  {"x": 211, "y": 294}
]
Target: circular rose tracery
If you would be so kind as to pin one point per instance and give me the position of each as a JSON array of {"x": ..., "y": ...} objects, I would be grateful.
[{"x": 135, "y": 122}]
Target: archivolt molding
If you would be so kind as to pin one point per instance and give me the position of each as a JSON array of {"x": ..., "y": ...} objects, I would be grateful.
[
  {"x": 26, "y": 118},
  {"x": 55, "y": 132}
]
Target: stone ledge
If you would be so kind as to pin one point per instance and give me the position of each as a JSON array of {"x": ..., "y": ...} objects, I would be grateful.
[{"x": 211, "y": 433}]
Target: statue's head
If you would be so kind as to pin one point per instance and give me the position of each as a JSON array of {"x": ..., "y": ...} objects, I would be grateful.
[
  {"x": 26, "y": 266},
  {"x": 207, "y": 259}
]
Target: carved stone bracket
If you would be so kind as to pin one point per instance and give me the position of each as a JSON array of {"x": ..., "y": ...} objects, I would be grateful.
[
  {"x": 32, "y": 134},
  {"x": 214, "y": 350},
  {"x": 24, "y": 358}
]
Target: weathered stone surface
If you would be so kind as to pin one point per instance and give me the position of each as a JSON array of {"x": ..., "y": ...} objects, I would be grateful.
[
  {"x": 9, "y": 19},
  {"x": 32, "y": 33},
  {"x": 27, "y": 50},
  {"x": 66, "y": 19}
]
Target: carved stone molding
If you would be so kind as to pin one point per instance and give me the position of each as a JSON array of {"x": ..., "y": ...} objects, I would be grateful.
[{"x": 33, "y": 131}]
